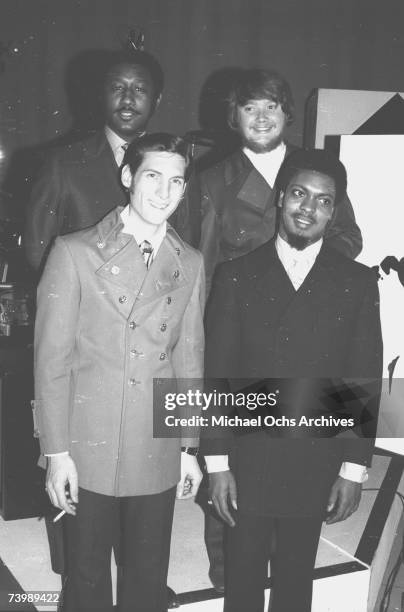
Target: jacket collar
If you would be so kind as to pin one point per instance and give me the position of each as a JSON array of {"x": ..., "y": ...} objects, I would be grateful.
[
  {"x": 249, "y": 185},
  {"x": 123, "y": 264},
  {"x": 322, "y": 280},
  {"x": 97, "y": 145}
]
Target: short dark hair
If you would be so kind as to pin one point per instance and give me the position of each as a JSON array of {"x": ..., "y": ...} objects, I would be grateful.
[
  {"x": 159, "y": 141},
  {"x": 138, "y": 58},
  {"x": 257, "y": 84},
  {"x": 316, "y": 160}
]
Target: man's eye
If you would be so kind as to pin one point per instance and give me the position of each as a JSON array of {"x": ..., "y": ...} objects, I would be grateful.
[
  {"x": 325, "y": 202},
  {"x": 140, "y": 89},
  {"x": 272, "y": 106},
  {"x": 248, "y": 109},
  {"x": 298, "y": 193},
  {"x": 151, "y": 175},
  {"x": 178, "y": 181}
]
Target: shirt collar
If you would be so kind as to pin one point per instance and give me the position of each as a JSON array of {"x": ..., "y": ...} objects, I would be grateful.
[
  {"x": 286, "y": 253},
  {"x": 129, "y": 227},
  {"x": 115, "y": 141}
]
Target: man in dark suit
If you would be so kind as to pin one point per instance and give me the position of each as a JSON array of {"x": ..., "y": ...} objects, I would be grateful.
[
  {"x": 235, "y": 200},
  {"x": 131, "y": 295},
  {"x": 234, "y": 203},
  {"x": 79, "y": 184},
  {"x": 294, "y": 308}
]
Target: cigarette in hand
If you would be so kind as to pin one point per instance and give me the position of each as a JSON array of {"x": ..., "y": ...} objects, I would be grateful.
[{"x": 59, "y": 516}]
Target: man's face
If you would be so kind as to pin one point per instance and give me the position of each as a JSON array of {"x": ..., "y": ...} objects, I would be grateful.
[
  {"x": 157, "y": 186},
  {"x": 307, "y": 207},
  {"x": 129, "y": 100},
  {"x": 261, "y": 124}
]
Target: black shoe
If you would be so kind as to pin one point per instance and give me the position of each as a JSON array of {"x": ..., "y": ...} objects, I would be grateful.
[
  {"x": 172, "y": 601},
  {"x": 218, "y": 583}
]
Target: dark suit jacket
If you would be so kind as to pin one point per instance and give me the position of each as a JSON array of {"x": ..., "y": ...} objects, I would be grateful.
[
  {"x": 239, "y": 213},
  {"x": 259, "y": 327},
  {"x": 78, "y": 185}
]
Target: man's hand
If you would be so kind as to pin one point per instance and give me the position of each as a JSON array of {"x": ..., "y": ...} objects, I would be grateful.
[
  {"x": 61, "y": 472},
  {"x": 191, "y": 477},
  {"x": 222, "y": 490},
  {"x": 344, "y": 500}
]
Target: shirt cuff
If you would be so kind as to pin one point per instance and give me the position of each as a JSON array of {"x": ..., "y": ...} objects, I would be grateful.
[
  {"x": 217, "y": 463},
  {"x": 354, "y": 472},
  {"x": 56, "y": 454}
]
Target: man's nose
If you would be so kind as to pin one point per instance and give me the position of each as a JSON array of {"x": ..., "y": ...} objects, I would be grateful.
[
  {"x": 308, "y": 204},
  {"x": 163, "y": 189},
  {"x": 262, "y": 115},
  {"x": 128, "y": 95}
]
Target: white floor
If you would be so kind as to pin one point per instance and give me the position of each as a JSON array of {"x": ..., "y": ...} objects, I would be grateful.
[{"x": 24, "y": 551}]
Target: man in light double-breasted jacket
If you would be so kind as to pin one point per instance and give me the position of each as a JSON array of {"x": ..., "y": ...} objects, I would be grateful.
[{"x": 119, "y": 304}]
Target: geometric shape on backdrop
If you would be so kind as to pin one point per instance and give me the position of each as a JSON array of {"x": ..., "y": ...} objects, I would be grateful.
[
  {"x": 334, "y": 112},
  {"x": 389, "y": 119}
]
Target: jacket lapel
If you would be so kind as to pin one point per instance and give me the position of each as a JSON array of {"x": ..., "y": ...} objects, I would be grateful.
[
  {"x": 275, "y": 290},
  {"x": 124, "y": 266},
  {"x": 166, "y": 274},
  {"x": 99, "y": 150}
]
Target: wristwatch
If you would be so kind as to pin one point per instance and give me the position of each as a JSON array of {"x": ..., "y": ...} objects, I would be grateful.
[{"x": 190, "y": 450}]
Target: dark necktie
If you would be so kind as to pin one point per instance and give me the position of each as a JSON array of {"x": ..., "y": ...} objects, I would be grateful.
[
  {"x": 121, "y": 154},
  {"x": 147, "y": 252}
]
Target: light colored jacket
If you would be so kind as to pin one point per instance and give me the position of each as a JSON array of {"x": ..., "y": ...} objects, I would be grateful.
[{"x": 105, "y": 327}]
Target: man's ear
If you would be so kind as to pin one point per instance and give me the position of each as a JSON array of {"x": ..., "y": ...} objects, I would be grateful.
[
  {"x": 280, "y": 199},
  {"x": 126, "y": 176},
  {"x": 157, "y": 102}
]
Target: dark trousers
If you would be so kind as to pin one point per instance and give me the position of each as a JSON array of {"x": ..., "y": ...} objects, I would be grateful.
[
  {"x": 145, "y": 523},
  {"x": 292, "y": 563}
]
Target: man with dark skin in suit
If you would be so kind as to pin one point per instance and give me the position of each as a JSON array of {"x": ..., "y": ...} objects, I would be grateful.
[
  {"x": 234, "y": 203},
  {"x": 294, "y": 308},
  {"x": 79, "y": 184}
]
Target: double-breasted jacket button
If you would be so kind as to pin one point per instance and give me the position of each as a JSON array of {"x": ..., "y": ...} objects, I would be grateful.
[
  {"x": 122, "y": 299},
  {"x": 163, "y": 327},
  {"x": 163, "y": 356},
  {"x": 100, "y": 244},
  {"x": 176, "y": 274},
  {"x": 115, "y": 270},
  {"x": 168, "y": 300},
  {"x": 178, "y": 251},
  {"x": 133, "y": 382},
  {"x": 132, "y": 325}
]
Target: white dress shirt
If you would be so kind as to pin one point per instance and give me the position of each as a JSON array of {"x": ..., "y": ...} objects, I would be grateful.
[
  {"x": 297, "y": 265},
  {"x": 117, "y": 144}
]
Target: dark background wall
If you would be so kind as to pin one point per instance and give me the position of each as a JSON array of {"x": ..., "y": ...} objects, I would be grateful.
[{"x": 349, "y": 44}]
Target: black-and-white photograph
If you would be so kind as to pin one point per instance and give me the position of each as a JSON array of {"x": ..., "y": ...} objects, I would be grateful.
[{"x": 201, "y": 305}]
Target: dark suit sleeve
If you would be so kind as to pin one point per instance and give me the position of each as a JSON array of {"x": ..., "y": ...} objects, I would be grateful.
[
  {"x": 343, "y": 234},
  {"x": 44, "y": 212},
  {"x": 366, "y": 364},
  {"x": 210, "y": 232},
  {"x": 222, "y": 353}
]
